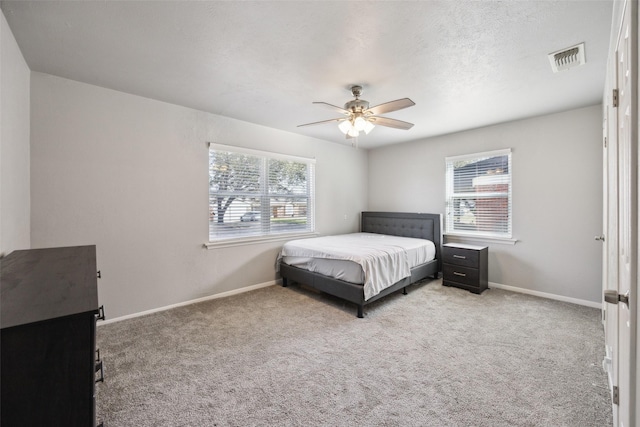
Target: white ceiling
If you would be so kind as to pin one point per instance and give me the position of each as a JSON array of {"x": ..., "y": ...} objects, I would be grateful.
[{"x": 465, "y": 64}]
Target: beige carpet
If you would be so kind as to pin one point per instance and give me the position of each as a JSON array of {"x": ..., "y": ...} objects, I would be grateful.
[{"x": 291, "y": 357}]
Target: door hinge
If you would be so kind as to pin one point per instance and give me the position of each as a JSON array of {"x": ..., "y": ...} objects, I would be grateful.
[
  {"x": 615, "y": 395},
  {"x": 605, "y": 142},
  {"x": 615, "y": 98}
]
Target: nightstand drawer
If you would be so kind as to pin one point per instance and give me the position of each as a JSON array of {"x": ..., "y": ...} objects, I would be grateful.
[
  {"x": 460, "y": 256},
  {"x": 459, "y": 274}
]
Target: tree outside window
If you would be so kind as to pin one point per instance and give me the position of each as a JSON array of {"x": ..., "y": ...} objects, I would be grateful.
[{"x": 254, "y": 193}]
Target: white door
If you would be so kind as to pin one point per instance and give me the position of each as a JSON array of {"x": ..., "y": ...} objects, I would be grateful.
[
  {"x": 610, "y": 234},
  {"x": 627, "y": 209}
]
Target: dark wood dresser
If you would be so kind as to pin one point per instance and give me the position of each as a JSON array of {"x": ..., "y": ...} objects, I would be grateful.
[
  {"x": 465, "y": 266},
  {"x": 48, "y": 313}
]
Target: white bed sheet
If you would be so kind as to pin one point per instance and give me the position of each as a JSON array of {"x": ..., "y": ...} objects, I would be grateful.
[{"x": 375, "y": 260}]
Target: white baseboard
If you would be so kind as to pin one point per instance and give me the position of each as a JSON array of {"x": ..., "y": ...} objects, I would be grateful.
[
  {"x": 546, "y": 295},
  {"x": 193, "y": 301},
  {"x": 273, "y": 282}
]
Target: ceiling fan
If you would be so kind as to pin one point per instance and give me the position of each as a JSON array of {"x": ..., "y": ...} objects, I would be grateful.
[{"x": 358, "y": 117}]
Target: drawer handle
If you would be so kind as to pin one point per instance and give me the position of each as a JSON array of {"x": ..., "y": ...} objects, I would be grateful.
[
  {"x": 460, "y": 257},
  {"x": 459, "y": 274},
  {"x": 100, "y": 315},
  {"x": 100, "y": 368}
]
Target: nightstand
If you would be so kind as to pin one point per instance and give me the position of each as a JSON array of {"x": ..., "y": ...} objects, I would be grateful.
[{"x": 465, "y": 266}]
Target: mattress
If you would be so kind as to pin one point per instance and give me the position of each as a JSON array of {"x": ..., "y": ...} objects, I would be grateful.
[{"x": 376, "y": 261}]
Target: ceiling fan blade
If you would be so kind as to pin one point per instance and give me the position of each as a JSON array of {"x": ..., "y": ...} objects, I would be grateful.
[
  {"x": 391, "y": 123},
  {"x": 390, "y": 106},
  {"x": 322, "y": 122},
  {"x": 334, "y": 107}
]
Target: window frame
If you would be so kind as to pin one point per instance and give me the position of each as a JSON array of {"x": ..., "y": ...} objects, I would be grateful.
[
  {"x": 265, "y": 232},
  {"x": 458, "y": 234}
]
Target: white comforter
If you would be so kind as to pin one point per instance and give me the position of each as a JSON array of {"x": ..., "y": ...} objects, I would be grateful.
[{"x": 384, "y": 259}]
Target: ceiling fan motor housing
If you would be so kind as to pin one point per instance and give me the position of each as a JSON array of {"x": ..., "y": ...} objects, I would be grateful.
[{"x": 356, "y": 106}]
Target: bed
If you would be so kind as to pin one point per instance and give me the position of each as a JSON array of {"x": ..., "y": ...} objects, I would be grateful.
[{"x": 335, "y": 279}]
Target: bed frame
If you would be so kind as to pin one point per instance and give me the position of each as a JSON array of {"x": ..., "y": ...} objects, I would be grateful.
[{"x": 417, "y": 225}]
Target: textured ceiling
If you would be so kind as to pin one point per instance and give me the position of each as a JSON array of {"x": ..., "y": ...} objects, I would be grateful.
[{"x": 465, "y": 64}]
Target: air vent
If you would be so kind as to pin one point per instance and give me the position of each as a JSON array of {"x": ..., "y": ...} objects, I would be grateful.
[{"x": 567, "y": 58}]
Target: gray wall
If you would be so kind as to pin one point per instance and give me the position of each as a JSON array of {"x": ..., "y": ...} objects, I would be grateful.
[
  {"x": 130, "y": 175},
  {"x": 557, "y": 196},
  {"x": 14, "y": 144}
]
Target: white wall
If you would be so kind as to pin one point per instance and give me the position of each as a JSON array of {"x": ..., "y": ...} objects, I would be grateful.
[
  {"x": 130, "y": 174},
  {"x": 14, "y": 144},
  {"x": 557, "y": 196}
]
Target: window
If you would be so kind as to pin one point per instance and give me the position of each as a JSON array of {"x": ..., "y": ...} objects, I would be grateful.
[
  {"x": 479, "y": 194},
  {"x": 256, "y": 194}
]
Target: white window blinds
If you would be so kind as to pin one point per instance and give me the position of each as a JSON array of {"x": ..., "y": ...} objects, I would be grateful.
[
  {"x": 254, "y": 193},
  {"x": 478, "y": 191}
]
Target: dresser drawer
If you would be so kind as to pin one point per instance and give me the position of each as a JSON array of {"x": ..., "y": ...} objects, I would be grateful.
[
  {"x": 460, "y": 256},
  {"x": 464, "y": 275}
]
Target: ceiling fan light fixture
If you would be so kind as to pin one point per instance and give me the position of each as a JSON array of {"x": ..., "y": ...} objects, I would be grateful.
[
  {"x": 368, "y": 127},
  {"x": 359, "y": 123},
  {"x": 353, "y": 132},
  {"x": 344, "y": 126}
]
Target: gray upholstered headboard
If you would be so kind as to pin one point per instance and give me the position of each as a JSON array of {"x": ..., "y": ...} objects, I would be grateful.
[{"x": 405, "y": 224}]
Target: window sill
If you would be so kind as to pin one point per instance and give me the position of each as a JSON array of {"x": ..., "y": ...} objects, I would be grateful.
[
  {"x": 460, "y": 238},
  {"x": 257, "y": 240}
]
